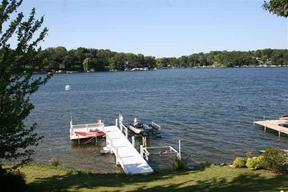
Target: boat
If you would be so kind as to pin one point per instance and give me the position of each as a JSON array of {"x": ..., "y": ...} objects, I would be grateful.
[
  {"x": 85, "y": 131},
  {"x": 89, "y": 134},
  {"x": 138, "y": 127},
  {"x": 284, "y": 117}
]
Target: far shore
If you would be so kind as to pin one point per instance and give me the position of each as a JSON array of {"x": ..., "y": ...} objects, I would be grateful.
[{"x": 165, "y": 68}]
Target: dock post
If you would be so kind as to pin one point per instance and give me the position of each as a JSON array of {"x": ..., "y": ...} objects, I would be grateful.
[
  {"x": 116, "y": 122},
  {"x": 126, "y": 132},
  {"x": 264, "y": 129},
  {"x": 179, "y": 150},
  {"x": 141, "y": 150},
  {"x": 116, "y": 157},
  {"x": 279, "y": 134},
  {"x": 133, "y": 141},
  {"x": 121, "y": 127},
  {"x": 144, "y": 143}
]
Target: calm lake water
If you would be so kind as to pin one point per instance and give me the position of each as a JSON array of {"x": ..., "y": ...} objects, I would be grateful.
[{"x": 211, "y": 110}]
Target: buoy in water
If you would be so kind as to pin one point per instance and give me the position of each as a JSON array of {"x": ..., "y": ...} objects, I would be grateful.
[{"x": 67, "y": 87}]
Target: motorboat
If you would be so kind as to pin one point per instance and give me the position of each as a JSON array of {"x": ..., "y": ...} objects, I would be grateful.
[{"x": 136, "y": 128}]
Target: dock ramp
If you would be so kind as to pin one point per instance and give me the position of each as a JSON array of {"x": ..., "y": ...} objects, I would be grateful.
[{"x": 126, "y": 155}]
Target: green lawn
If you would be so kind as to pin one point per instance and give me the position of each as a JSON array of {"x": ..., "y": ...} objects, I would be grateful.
[{"x": 213, "y": 178}]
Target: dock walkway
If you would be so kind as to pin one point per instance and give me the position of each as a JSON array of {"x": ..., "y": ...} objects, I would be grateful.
[
  {"x": 274, "y": 125},
  {"x": 126, "y": 155}
]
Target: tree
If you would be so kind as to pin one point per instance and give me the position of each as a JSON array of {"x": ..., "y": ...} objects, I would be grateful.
[
  {"x": 17, "y": 82},
  {"x": 278, "y": 7},
  {"x": 60, "y": 53},
  {"x": 67, "y": 62},
  {"x": 87, "y": 63}
]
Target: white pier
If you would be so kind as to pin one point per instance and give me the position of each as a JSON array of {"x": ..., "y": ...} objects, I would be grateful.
[
  {"x": 126, "y": 155},
  {"x": 277, "y": 125}
]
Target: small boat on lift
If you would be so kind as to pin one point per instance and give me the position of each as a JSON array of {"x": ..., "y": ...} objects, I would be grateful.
[
  {"x": 86, "y": 131},
  {"x": 89, "y": 134},
  {"x": 138, "y": 127}
]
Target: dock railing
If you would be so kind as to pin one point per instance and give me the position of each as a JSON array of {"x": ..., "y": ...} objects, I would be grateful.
[
  {"x": 121, "y": 126},
  {"x": 144, "y": 150},
  {"x": 86, "y": 126},
  {"x": 263, "y": 118}
]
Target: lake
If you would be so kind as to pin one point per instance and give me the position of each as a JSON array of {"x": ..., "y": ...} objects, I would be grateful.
[{"x": 210, "y": 110}]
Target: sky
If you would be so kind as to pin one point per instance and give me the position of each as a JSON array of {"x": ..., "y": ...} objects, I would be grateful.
[{"x": 161, "y": 28}]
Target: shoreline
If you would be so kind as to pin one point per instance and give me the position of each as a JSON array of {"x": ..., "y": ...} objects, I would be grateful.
[{"x": 170, "y": 68}]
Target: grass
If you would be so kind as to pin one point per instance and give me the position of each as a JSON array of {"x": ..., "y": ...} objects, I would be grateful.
[{"x": 210, "y": 178}]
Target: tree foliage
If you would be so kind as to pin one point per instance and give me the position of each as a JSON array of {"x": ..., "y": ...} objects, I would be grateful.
[
  {"x": 278, "y": 7},
  {"x": 18, "y": 60},
  {"x": 83, "y": 59}
]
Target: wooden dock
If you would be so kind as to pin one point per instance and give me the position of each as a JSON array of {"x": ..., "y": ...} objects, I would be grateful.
[
  {"x": 126, "y": 155},
  {"x": 276, "y": 125}
]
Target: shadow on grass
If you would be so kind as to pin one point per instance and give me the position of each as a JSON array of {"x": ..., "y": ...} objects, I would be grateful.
[
  {"x": 80, "y": 180},
  {"x": 241, "y": 183}
]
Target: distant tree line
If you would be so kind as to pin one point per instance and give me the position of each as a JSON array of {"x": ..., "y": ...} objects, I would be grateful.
[{"x": 83, "y": 59}]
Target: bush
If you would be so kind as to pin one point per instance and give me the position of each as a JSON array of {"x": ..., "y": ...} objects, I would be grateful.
[
  {"x": 255, "y": 163},
  {"x": 260, "y": 162},
  {"x": 276, "y": 160},
  {"x": 251, "y": 163},
  {"x": 12, "y": 180},
  {"x": 239, "y": 162}
]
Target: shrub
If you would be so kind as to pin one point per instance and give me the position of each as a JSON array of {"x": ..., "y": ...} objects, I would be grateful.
[
  {"x": 260, "y": 162},
  {"x": 239, "y": 162},
  {"x": 251, "y": 163},
  {"x": 255, "y": 163},
  {"x": 276, "y": 160},
  {"x": 12, "y": 180}
]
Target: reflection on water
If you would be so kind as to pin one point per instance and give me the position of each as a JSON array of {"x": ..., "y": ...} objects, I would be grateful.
[{"x": 211, "y": 110}]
